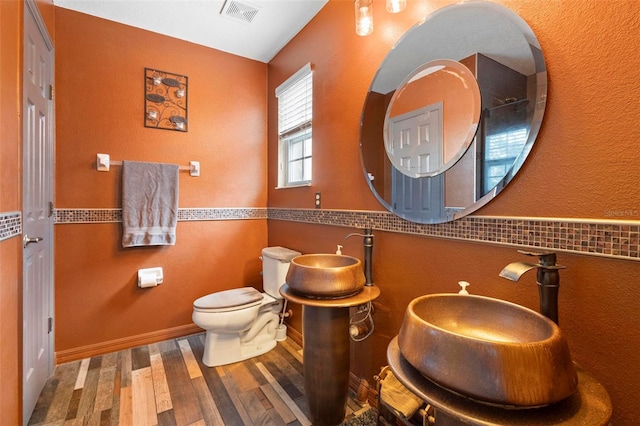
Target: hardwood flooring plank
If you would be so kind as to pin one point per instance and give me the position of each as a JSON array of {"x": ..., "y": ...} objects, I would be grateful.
[
  {"x": 140, "y": 357},
  {"x": 74, "y": 403},
  {"x": 293, "y": 348},
  {"x": 302, "y": 418},
  {"x": 126, "y": 406},
  {"x": 257, "y": 375},
  {"x": 105, "y": 418},
  {"x": 233, "y": 391},
  {"x": 218, "y": 391},
  {"x": 154, "y": 349},
  {"x": 114, "y": 413},
  {"x": 242, "y": 377},
  {"x": 278, "y": 404},
  {"x": 292, "y": 360},
  {"x": 66, "y": 375},
  {"x": 293, "y": 386},
  {"x": 104, "y": 392},
  {"x": 289, "y": 377},
  {"x": 189, "y": 359},
  {"x": 110, "y": 359},
  {"x": 125, "y": 368},
  {"x": 144, "y": 404},
  {"x": 95, "y": 362},
  {"x": 117, "y": 381},
  {"x": 210, "y": 412},
  {"x": 302, "y": 404},
  {"x": 89, "y": 391},
  {"x": 255, "y": 410},
  {"x": 185, "y": 403},
  {"x": 160, "y": 385},
  {"x": 82, "y": 374},
  {"x": 166, "y": 418},
  {"x": 167, "y": 346},
  {"x": 274, "y": 417},
  {"x": 263, "y": 398},
  {"x": 92, "y": 419}
]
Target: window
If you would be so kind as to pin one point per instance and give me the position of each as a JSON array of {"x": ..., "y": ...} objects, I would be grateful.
[
  {"x": 502, "y": 149},
  {"x": 294, "y": 129}
]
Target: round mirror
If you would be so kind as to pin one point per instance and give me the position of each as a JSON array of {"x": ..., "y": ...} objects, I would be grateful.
[
  {"x": 475, "y": 43},
  {"x": 416, "y": 139}
]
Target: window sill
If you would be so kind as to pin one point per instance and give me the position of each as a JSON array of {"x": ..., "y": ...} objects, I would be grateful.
[{"x": 298, "y": 185}]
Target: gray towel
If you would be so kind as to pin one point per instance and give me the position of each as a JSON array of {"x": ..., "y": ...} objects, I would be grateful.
[{"x": 149, "y": 204}]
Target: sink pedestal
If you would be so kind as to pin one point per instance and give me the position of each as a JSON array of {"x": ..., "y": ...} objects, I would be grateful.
[
  {"x": 326, "y": 362},
  {"x": 589, "y": 405},
  {"x": 325, "y": 332}
]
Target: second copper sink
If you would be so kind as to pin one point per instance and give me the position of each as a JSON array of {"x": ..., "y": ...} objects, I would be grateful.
[
  {"x": 487, "y": 349},
  {"x": 325, "y": 275}
]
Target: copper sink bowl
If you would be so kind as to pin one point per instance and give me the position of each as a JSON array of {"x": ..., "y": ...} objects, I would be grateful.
[
  {"x": 487, "y": 349},
  {"x": 325, "y": 275}
]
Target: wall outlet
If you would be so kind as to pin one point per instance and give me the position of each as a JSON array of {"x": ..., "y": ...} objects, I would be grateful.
[{"x": 318, "y": 200}]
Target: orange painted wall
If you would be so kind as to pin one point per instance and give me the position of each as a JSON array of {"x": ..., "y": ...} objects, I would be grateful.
[
  {"x": 10, "y": 200},
  {"x": 100, "y": 109},
  {"x": 584, "y": 165}
]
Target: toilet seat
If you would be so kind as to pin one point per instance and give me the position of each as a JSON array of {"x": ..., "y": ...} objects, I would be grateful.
[{"x": 229, "y": 300}]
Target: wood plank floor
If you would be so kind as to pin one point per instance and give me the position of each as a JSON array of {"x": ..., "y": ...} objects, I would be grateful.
[{"x": 167, "y": 384}]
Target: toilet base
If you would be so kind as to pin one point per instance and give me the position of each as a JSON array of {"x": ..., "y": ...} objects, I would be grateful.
[{"x": 222, "y": 349}]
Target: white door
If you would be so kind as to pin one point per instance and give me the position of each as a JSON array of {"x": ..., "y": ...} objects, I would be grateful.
[
  {"x": 417, "y": 138},
  {"x": 416, "y": 142},
  {"x": 37, "y": 296}
]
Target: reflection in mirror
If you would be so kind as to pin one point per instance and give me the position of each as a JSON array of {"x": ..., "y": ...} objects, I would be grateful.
[
  {"x": 504, "y": 56},
  {"x": 417, "y": 140}
]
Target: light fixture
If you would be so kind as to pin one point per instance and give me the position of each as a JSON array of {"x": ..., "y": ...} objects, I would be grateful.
[
  {"x": 364, "y": 17},
  {"x": 395, "y": 6}
]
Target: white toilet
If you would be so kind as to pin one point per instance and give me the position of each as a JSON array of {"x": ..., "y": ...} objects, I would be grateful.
[{"x": 242, "y": 323}]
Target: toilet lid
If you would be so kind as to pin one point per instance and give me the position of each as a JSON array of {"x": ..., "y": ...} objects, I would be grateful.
[{"x": 229, "y": 299}]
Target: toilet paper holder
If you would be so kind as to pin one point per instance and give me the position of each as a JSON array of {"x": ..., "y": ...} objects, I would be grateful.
[{"x": 150, "y": 277}]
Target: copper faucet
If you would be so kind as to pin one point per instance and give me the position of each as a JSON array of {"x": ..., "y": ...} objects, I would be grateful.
[{"x": 548, "y": 279}]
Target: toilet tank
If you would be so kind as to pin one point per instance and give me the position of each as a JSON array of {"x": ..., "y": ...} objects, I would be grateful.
[{"x": 275, "y": 264}]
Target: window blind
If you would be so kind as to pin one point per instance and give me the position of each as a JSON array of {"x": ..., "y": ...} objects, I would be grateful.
[{"x": 295, "y": 102}]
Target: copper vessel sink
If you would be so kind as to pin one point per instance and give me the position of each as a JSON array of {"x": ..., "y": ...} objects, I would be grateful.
[
  {"x": 487, "y": 349},
  {"x": 325, "y": 275}
]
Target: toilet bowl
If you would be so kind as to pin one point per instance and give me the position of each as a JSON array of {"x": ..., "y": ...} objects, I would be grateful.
[{"x": 242, "y": 323}]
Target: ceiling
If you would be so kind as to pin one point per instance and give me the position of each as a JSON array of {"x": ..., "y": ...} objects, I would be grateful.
[{"x": 254, "y": 29}]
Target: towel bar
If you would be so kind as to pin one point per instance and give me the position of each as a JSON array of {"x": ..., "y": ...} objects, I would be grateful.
[{"x": 103, "y": 163}]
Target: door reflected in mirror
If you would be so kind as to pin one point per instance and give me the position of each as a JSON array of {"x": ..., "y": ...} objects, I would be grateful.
[
  {"x": 417, "y": 139},
  {"x": 483, "y": 139}
]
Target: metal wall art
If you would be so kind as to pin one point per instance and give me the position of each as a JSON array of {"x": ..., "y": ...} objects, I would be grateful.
[{"x": 165, "y": 101}]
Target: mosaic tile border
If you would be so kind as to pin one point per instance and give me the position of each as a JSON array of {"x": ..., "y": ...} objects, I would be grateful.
[
  {"x": 618, "y": 239},
  {"x": 10, "y": 224},
  {"x": 67, "y": 216}
]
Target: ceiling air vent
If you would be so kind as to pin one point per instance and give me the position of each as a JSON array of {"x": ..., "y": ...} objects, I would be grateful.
[{"x": 240, "y": 11}]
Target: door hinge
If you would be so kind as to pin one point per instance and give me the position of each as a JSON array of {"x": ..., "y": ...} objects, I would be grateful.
[
  {"x": 51, "y": 92},
  {"x": 49, "y": 324},
  {"x": 50, "y": 208}
]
